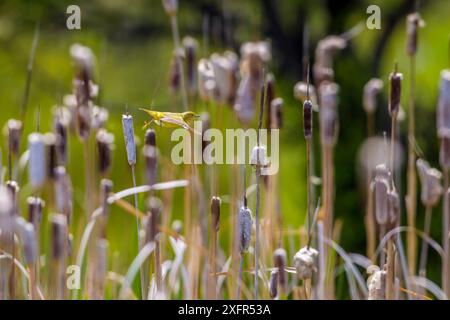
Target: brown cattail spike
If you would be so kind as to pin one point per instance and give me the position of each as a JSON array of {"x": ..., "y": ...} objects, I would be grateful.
[
  {"x": 215, "y": 212},
  {"x": 59, "y": 231},
  {"x": 413, "y": 23},
  {"x": 280, "y": 262},
  {"x": 14, "y": 133},
  {"x": 52, "y": 161},
  {"x": 105, "y": 142},
  {"x": 307, "y": 119},
  {"x": 154, "y": 206},
  {"x": 395, "y": 91},
  {"x": 151, "y": 163},
  {"x": 35, "y": 206},
  {"x": 276, "y": 113},
  {"x": 61, "y": 126},
  {"x": 150, "y": 138}
]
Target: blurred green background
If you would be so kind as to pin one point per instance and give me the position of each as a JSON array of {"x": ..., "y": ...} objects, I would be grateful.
[{"x": 133, "y": 45}]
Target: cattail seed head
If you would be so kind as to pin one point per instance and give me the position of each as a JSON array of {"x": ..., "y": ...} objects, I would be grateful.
[
  {"x": 13, "y": 188},
  {"x": 307, "y": 119},
  {"x": 395, "y": 91},
  {"x": 27, "y": 235},
  {"x": 258, "y": 157},
  {"x": 150, "y": 137},
  {"x": 205, "y": 77},
  {"x": 6, "y": 219},
  {"x": 376, "y": 283},
  {"x": 273, "y": 284},
  {"x": 105, "y": 141},
  {"x": 276, "y": 113},
  {"x": 371, "y": 90},
  {"x": 61, "y": 127},
  {"x": 301, "y": 92},
  {"x": 36, "y": 164},
  {"x": 52, "y": 161},
  {"x": 305, "y": 261},
  {"x": 443, "y": 108},
  {"x": 444, "y": 152},
  {"x": 154, "y": 206},
  {"x": 151, "y": 163},
  {"x": 244, "y": 221},
  {"x": 325, "y": 50},
  {"x": 413, "y": 23},
  {"x": 394, "y": 209},
  {"x": 175, "y": 72},
  {"x": 381, "y": 190},
  {"x": 58, "y": 224},
  {"x": 14, "y": 134},
  {"x": 170, "y": 6},
  {"x": 215, "y": 213},
  {"x": 83, "y": 57},
  {"x": 280, "y": 262},
  {"x": 190, "y": 47},
  {"x": 99, "y": 117},
  {"x": 255, "y": 55},
  {"x": 328, "y": 115},
  {"x": 63, "y": 192},
  {"x": 128, "y": 133},
  {"x": 430, "y": 180},
  {"x": 244, "y": 105},
  {"x": 225, "y": 68},
  {"x": 35, "y": 206}
]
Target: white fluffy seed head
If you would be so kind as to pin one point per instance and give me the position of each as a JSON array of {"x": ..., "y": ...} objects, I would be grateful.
[
  {"x": 443, "y": 108},
  {"x": 36, "y": 164},
  {"x": 170, "y": 6},
  {"x": 305, "y": 261},
  {"x": 430, "y": 179},
  {"x": 371, "y": 90},
  {"x": 328, "y": 114},
  {"x": 259, "y": 157},
  {"x": 273, "y": 284},
  {"x": 381, "y": 190},
  {"x": 128, "y": 132},
  {"x": 244, "y": 221},
  {"x": 376, "y": 283}
]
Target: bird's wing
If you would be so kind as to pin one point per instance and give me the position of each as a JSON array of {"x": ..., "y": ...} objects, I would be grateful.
[{"x": 176, "y": 121}]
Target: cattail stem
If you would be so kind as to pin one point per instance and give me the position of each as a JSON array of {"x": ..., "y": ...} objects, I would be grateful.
[
  {"x": 411, "y": 178},
  {"x": 390, "y": 275},
  {"x": 32, "y": 282},
  {"x": 308, "y": 188},
  {"x": 239, "y": 282},
  {"x": 212, "y": 264},
  {"x": 177, "y": 45},
  {"x": 138, "y": 230},
  {"x": 322, "y": 260},
  {"x": 424, "y": 249},
  {"x": 392, "y": 152},
  {"x": 382, "y": 253},
  {"x": 445, "y": 236},
  {"x": 369, "y": 218},
  {"x": 257, "y": 240}
]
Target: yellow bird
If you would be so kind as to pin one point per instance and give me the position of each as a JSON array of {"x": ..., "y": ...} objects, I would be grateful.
[{"x": 170, "y": 119}]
